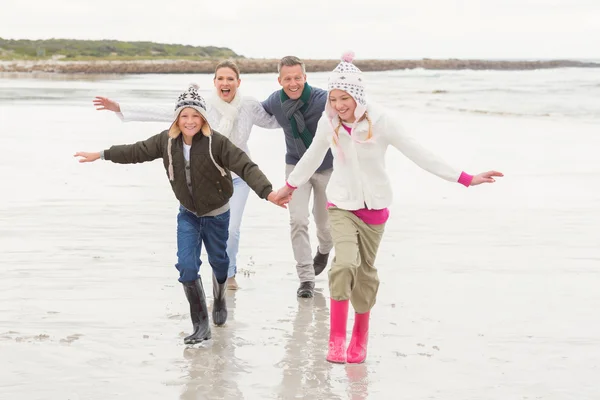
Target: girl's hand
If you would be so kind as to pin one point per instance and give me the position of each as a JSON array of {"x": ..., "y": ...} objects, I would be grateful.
[
  {"x": 104, "y": 103},
  {"x": 285, "y": 192},
  {"x": 485, "y": 177},
  {"x": 279, "y": 201},
  {"x": 87, "y": 157}
]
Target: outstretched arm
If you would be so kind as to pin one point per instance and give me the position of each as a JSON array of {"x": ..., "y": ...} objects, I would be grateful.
[
  {"x": 310, "y": 161},
  {"x": 261, "y": 117},
  {"x": 313, "y": 158},
  {"x": 417, "y": 153},
  {"x": 146, "y": 150},
  {"x": 131, "y": 113},
  {"x": 236, "y": 160},
  {"x": 429, "y": 161}
]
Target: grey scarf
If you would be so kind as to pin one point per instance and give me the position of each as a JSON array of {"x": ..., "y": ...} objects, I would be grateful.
[{"x": 294, "y": 112}]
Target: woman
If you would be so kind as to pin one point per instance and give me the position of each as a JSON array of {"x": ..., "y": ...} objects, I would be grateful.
[
  {"x": 359, "y": 193},
  {"x": 198, "y": 169},
  {"x": 233, "y": 116}
]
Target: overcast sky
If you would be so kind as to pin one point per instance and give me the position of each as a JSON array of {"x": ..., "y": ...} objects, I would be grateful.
[{"x": 325, "y": 28}]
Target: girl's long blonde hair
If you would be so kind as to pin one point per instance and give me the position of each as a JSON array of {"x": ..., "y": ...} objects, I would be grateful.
[{"x": 336, "y": 130}]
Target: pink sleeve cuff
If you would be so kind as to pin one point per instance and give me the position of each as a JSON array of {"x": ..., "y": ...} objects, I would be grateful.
[
  {"x": 290, "y": 186},
  {"x": 465, "y": 179}
]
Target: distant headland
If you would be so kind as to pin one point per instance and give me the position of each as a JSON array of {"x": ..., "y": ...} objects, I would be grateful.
[{"x": 119, "y": 57}]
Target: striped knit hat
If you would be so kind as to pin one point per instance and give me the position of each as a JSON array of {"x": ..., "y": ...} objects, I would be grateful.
[{"x": 347, "y": 77}]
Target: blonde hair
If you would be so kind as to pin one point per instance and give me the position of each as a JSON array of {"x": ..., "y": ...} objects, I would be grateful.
[
  {"x": 336, "y": 130},
  {"x": 175, "y": 131}
]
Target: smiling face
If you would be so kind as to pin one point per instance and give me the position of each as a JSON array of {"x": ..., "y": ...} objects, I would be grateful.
[
  {"x": 292, "y": 79},
  {"x": 226, "y": 82},
  {"x": 189, "y": 122},
  {"x": 343, "y": 104}
]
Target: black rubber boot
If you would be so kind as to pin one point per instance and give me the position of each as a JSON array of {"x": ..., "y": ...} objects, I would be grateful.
[
  {"x": 306, "y": 290},
  {"x": 198, "y": 312},
  {"x": 320, "y": 262},
  {"x": 219, "y": 311}
]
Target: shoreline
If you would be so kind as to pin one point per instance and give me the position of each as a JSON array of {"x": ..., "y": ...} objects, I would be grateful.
[{"x": 254, "y": 66}]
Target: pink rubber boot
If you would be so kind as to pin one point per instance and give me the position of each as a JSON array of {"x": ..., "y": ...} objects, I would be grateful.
[
  {"x": 338, "y": 318},
  {"x": 357, "y": 350}
]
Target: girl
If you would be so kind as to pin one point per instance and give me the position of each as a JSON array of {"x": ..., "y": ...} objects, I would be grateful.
[
  {"x": 198, "y": 168},
  {"x": 233, "y": 116},
  {"x": 359, "y": 193}
]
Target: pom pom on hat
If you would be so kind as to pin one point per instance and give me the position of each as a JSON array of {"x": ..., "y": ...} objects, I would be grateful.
[
  {"x": 194, "y": 85},
  {"x": 348, "y": 56}
]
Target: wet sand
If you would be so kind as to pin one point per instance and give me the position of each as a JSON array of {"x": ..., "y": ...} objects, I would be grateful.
[{"x": 486, "y": 293}]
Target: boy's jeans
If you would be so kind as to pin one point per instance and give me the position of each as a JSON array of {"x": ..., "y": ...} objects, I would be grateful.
[{"x": 192, "y": 231}]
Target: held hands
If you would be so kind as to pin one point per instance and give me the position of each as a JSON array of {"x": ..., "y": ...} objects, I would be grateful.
[
  {"x": 282, "y": 196},
  {"x": 274, "y": 198},
  {"x": 104, "y": 103},
  {"x": 87, "y": 157},
  {"x": 485, "y": 177},
  {"x": 285, "y": 192}
]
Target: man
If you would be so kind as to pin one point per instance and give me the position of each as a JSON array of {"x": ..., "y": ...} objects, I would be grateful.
[{"x": 298, "y": 108}]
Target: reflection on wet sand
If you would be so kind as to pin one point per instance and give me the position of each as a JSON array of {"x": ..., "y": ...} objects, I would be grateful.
[
  {"x": 213, "y": 371},
  {"x": 305, "y": 372},
  {"x": 358, "y": 381},
  {"x": 213, "y": 367}
]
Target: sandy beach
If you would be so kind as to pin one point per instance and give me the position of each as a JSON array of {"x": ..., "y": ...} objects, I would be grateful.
[{"x": 487, "y": 293}]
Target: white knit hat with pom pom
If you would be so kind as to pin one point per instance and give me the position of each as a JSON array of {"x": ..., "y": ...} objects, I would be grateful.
[{"x": 347, "y": 77}]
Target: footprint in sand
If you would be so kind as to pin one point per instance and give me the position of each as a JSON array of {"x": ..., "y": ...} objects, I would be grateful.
[
  {"x": 40, "y": 338},
  {"x": 8, "y": 335},
  {"x": 71, "y": 338}
]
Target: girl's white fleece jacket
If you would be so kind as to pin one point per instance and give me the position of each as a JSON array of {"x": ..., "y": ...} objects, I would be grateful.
[{"x": 359, "y": 177}]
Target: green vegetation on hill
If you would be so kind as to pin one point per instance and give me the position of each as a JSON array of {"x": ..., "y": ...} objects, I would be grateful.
[{"x": 106, "y": 49}]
